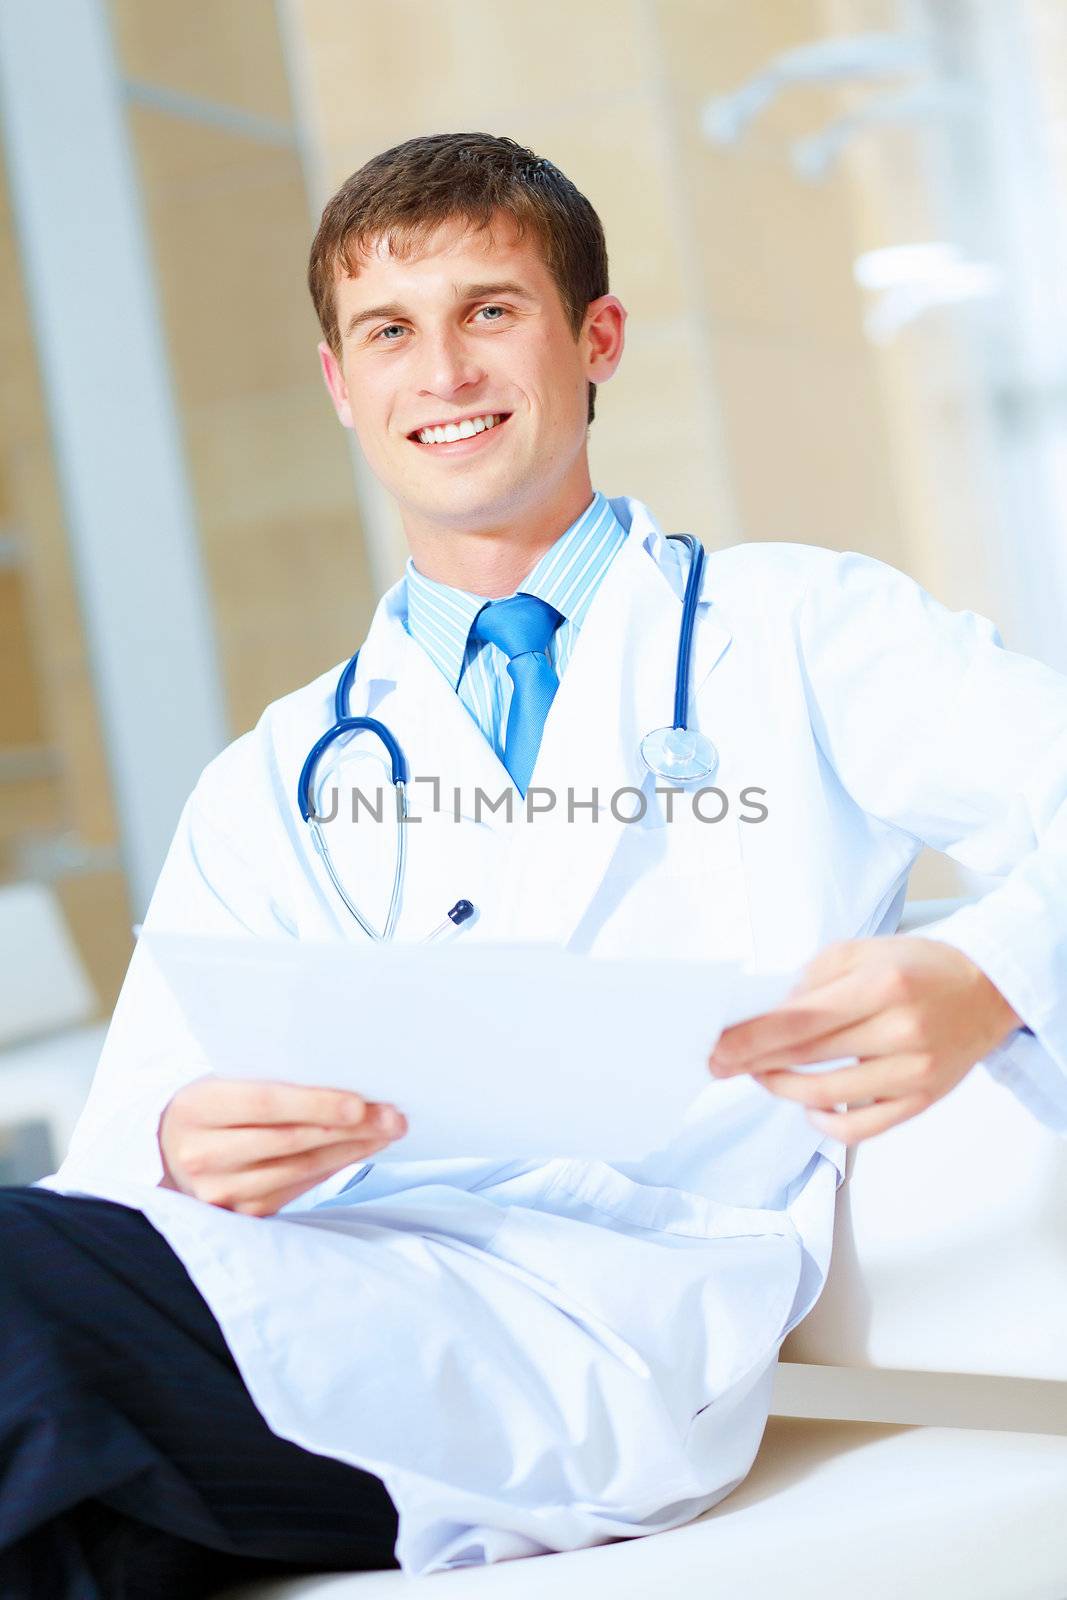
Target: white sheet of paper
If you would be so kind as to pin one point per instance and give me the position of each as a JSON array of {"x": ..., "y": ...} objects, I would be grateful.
[{"x": 505, "y": 1050}]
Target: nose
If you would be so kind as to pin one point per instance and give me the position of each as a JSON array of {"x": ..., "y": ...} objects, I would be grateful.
[{"x": 450, "y": 365}]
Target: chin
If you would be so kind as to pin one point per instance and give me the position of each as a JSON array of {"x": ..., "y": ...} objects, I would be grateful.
[{"x": 470, "y": 492}]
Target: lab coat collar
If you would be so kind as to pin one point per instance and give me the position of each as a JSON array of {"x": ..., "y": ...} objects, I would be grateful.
[{"x": 618, "y": 686}]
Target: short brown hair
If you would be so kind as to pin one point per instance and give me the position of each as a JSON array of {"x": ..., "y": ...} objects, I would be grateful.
[{"x": 407, "y": 192}]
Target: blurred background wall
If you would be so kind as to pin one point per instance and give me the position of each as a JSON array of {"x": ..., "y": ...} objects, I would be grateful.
[{"x": 838, "y": 227}]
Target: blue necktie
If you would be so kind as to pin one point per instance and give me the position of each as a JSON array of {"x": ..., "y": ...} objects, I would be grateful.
[{"x": 522, "y": 627}]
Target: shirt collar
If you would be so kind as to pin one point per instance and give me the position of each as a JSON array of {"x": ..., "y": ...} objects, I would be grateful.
[{"x": 439, "y": 618}]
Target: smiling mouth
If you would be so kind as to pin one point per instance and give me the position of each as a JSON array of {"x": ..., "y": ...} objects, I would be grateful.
[{"x": 455, "y": 432}]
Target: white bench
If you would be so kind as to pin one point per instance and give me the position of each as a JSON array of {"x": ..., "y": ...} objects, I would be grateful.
[{"x": 918, "y": 1445}]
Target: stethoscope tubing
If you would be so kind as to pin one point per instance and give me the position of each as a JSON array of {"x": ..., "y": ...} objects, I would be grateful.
[
  {"x": 691, "y": 599},
  {"x": 398, "y": 872},
  {"x": 343, "y": 725}
]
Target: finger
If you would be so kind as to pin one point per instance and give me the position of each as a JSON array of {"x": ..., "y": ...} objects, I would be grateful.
[
  {"x": 842, "y": 1002},
  {"x": 253, "y": 1189},
  {"x": 228, "y": 1149},
  {"x": 853, "y": 1126},
  {"x": 268, "y": 1205},
  {"x": 883, "y": 1033},
  {"x": 369, "y": 1138},
  {"x": 267, "y": 1177},
  {"x": 884, "y": 1078},
  {"x": 232, "y": 1102}
]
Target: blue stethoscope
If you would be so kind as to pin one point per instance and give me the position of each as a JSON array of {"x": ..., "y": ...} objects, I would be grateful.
[{"x": 678, "y": 753}]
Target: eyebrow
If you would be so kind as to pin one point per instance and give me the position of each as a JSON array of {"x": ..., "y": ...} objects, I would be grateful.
[{"x": 464, "y": 292}]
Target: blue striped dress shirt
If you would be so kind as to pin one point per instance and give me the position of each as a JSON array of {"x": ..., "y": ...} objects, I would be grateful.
[{"x": 567, "y": 576}]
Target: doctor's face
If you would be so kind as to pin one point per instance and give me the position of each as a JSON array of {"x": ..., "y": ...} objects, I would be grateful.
[{"x": 473, "y": 332}]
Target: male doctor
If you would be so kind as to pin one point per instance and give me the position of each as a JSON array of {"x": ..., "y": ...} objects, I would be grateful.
[{"x": 234, "y": 1343}]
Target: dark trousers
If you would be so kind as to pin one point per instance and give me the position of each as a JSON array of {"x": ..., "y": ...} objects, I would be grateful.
[{"x": 133, "y": 1463}]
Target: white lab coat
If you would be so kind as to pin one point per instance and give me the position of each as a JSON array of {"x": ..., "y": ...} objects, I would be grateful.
[{"x": 546, "y": 1355}]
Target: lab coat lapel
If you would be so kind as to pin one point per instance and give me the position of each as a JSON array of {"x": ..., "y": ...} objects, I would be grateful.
[
  {"x": 445, "y": 749},
  {"x": 619, "y": 685}
]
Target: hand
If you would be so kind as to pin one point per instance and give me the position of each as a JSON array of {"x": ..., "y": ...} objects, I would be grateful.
[
  {"x": 253, "y": 1147},
  {"x": 917, "y": 1013}
]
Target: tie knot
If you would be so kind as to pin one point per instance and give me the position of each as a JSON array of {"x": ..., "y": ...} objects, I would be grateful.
[{"x": 517, "y": 626}]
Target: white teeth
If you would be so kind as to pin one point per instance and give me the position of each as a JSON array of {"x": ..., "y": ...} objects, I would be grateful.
[{"x": 453, "y": 430}]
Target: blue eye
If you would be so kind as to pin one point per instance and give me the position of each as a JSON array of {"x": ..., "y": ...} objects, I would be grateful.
[
  {"x": 393, "y": 326},
  {"x": 500, "y": 309}
]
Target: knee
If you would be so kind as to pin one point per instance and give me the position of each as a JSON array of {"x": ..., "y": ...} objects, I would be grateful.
[
  {"x": 21, "y": 1204},
  {"x": 28, "y": 1246}
]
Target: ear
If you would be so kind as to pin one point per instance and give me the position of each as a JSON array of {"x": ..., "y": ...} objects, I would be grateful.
[
  {"x": 334, "y": 379},
  {"x": 602, "y": 332}
]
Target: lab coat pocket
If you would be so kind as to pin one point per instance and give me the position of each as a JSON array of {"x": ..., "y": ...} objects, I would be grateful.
[{"x": 691, "y": 1293}]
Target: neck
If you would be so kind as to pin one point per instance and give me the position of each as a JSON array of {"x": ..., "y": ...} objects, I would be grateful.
[{"x": 493, "y": 559}]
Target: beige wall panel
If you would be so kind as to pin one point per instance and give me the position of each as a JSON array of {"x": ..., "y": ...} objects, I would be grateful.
[
  {"x": 649, "y": 440},
  {"x": 27, "y": 805},
  {"x": 293, "y": 604},
  {"x": 714, "y": 45},
  {"x": 21, "y": 718},
  {"x": 59, "y": 697},
  {"x": 275, "y": 454},
  {"x": 66, "y": 682},
  {"x": 192, "y": 157},
  {"x": 806, "y": 442},
  {"x": 222, "y": 50},
  {"x": 775, "y": 251},
  {"x": 384, "y": 72},
  {"x": 98, "y": 915},
  {"x": 231, "y": 261},
  {"x": 281, "y": 541},
  {"x": 21, "y": 404}
]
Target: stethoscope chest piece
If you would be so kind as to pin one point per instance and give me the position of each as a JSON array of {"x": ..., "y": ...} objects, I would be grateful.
[{"x": 681, "y": 755}]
